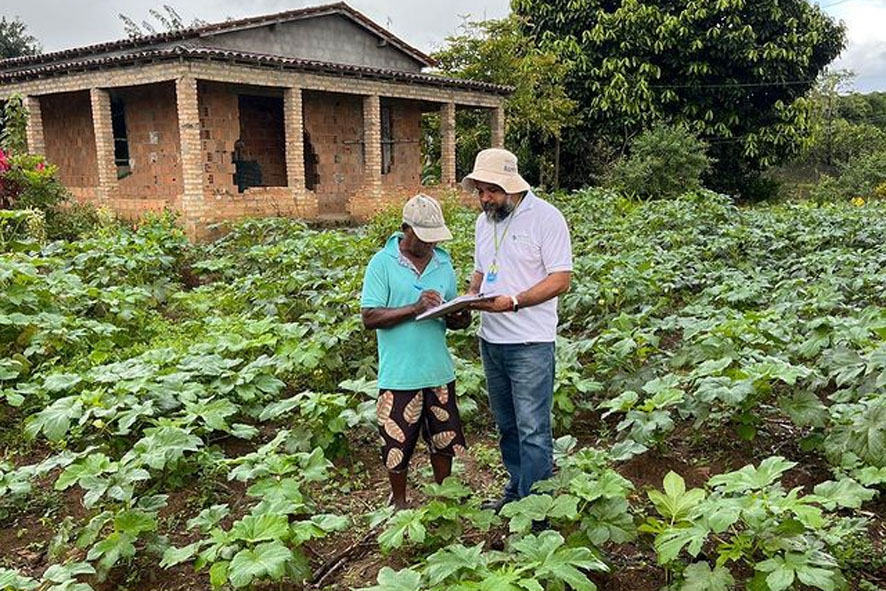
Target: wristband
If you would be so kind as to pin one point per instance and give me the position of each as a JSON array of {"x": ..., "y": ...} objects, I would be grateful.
[{"x": 516, "y": 303}]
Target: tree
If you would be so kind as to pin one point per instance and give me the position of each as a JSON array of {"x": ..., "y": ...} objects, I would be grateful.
[
  {"x": 733, "y": 71},
  {"x": 13, "y": 125},
  {"x": 499, "y": 52},
  {"x": 842, "y": 126},
  {"x": 168, "y": 20},
  {"x": 664, "y": 163},
  {"x": 15, "y": 40}
]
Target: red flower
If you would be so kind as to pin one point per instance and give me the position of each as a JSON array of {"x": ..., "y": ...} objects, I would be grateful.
[
  {"x": 40, "y": 166},
  {"x": 4, "y": 161}
]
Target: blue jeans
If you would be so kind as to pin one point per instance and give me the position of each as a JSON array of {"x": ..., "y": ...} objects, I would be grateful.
[{"x": 520, "y": 382}]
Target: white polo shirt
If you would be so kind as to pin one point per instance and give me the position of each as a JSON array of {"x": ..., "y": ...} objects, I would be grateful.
[{"x": 535, "y": 245}]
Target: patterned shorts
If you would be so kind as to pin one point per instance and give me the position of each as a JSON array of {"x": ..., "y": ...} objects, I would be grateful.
[{"x": 403, "y": 414}]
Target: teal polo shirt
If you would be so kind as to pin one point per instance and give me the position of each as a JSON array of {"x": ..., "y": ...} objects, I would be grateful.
[{"x": 411, "y": 355}]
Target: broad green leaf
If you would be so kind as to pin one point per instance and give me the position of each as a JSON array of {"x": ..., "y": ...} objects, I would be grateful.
[
  {"x": 93, "y": 465},
  {"x": 625, "y": 450},
  {"x": 266, "y": 560},
  {"x": 700, "y": 577},
  {"x": 843, "y": 493},
  {"x": 749, "y": 478},
  {"x": 61, "y": 381},
  {"x": 218, "y": 573},
  {"x": 11, "y": 580},
  {"x": 805, "y": 409},
  {"x": 209, "y": 518},
  {"x": 609, "y": 520},
  {"x": 676, "y": 502},
  {"x": 59, "y": 573},
  {"x": 784, "y": 569},
  {"x": 279, "y": 408},
  {"x": 257, "y": 528},
  {"x": 446, "y": 562},
  {"x": 108, "y": 551},
  {"x": 551, "y": 561},
  {"x": 173, "y": 556},
  {"x": 870, "y": 476},
  {"x": 406, "y": 523},
  {"x": 451, "y": 488},
  {"x": 54, "y": 420},
  {"x": 670, "y": 542},
  {"x": 391, "y": 580},
  {"x": 134, "y": 522}
]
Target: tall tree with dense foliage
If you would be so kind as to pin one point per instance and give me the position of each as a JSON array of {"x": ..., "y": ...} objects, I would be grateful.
[
  {"x": 498, "y": 51},
  {"x": 733, "y": 71},
  {"x": 15, "y": 41}
]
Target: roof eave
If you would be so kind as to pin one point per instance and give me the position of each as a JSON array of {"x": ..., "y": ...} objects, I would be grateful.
[{"x": 251, "y": 60}]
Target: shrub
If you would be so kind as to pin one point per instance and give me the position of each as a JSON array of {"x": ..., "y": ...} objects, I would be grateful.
[
  {"x": 664, "y": 162},
  {"x": 70, "y": 221},
  {"x": 27, "y": 182},
  {"x": 21, "y": 229},
  {"x": 863, "y": 177}
]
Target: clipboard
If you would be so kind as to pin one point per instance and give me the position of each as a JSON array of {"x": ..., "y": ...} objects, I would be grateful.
[{"x": 454, "y": 305}]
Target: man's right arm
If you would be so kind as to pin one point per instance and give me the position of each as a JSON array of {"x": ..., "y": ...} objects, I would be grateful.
[
  {"x": 476, "y": 283},
  {"x": 374, "y": 318}
]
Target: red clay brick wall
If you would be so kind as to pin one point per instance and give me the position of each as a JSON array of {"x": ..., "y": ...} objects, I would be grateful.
[
  {"x": 154, "y": 144},
  {"x": 264, "y": 137},
  {"x": 70, "y": 138},
  {"x": 335, "y": 125},
  {"x": 406, "y": 131},
  {"x": 219, "y": 129}
]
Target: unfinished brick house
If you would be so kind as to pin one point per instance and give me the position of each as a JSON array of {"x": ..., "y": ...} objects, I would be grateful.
[{"x": 307, "y": 113}]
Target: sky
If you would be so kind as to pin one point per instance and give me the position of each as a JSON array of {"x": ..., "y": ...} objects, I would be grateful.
[{"x": 61, "y": 24}]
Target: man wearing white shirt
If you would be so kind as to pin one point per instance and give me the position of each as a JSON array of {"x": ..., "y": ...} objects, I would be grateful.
[{"x": 524, "y": 255}]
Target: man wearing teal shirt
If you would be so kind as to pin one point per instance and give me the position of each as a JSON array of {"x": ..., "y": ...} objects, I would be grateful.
[{"x": 416, "y": 377}]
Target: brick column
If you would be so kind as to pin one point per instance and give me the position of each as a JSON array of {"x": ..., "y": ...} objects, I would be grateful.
[
  {"x": 447, "y": 145},
  {"x": 192, "y": 206},
  {"x": 295, "y": 146},
  {"x": 104, "y": 142},
  {"x": 372, "y": 144},
  {"x": 34, "y": 129},
  {"x": 497, "y": 123}
]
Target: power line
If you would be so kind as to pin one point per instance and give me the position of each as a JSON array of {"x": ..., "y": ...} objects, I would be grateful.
[
  {"x": 736, "y": 84},
  {"x": 764, "y": 84}
]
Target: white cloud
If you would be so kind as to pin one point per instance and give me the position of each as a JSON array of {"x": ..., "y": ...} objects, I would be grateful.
[{"x": 865, "y": 53}]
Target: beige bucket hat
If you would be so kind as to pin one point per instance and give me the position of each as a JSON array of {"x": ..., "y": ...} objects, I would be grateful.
[
  {"x": 425, "y": 216},
  {"x": 499, "y": 167}
]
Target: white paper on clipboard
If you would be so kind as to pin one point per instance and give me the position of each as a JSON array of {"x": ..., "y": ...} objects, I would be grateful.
[{"x": 454, "y": 305}]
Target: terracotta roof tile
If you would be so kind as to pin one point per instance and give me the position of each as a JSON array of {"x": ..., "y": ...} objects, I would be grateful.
[{"x": 252, "y": 59}]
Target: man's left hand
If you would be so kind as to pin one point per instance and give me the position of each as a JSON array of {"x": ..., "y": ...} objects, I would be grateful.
[
  {"x": 458, "y": 320},
  {"x": 501, "y": 303}
]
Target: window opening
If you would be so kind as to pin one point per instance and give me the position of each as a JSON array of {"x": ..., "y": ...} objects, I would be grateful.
[{"x": 121, "y": 140}]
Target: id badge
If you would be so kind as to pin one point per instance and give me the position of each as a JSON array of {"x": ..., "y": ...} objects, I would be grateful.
[{"x": 492, "y": 275}]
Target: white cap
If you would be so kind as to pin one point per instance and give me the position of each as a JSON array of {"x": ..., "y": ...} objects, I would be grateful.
[{"x": 425, "y": 216}]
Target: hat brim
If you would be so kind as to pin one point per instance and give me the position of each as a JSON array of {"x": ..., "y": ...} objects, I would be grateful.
[
  {"x": 439, "y": 234},
  {"x": 510, "y": 183}
]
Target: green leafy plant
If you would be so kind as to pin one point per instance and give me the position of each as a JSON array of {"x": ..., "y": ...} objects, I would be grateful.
[
  {"x": 441, "y": 520},
  {"x": 746, "y": 516}
]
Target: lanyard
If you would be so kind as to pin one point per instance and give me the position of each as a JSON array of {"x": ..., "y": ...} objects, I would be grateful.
[{"x": 495, "y": 240}]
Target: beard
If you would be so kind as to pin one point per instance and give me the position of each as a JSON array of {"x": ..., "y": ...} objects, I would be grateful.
[{"x": 497, "y": 213}]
